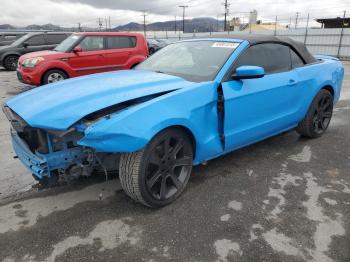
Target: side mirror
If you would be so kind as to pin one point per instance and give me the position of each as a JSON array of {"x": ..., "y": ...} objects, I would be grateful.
[
  {"x": 249, "y": 72},
  {"x": 25, "y": 44},
  {"x": 77, "y": 49}
]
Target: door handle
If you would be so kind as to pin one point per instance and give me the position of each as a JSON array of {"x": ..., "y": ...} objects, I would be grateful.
[{"x": 291, "y": 82}]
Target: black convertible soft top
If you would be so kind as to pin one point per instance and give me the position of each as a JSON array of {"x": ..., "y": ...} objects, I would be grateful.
[{"x": 254, "y": 39}]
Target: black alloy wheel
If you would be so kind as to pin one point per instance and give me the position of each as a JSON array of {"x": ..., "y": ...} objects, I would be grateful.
[
  {"x": 158, "y": 174},
  {"x": 318, "y": 116},
  {"x": 323, "y": 114},
  {"x": 168, "y": 167},
  {"x": 10, "y": 62}
]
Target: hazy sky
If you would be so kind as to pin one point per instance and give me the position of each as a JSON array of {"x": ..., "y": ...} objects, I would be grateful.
[{"x": 70, "y": 12}]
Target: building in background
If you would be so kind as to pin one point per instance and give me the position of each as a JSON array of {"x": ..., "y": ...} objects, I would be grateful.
[
  {"x": 235, "y": 24},
  {"x": 337, "y": 22}
]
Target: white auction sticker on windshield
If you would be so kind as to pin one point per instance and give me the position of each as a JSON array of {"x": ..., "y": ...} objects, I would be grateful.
[{"x": 225, "y": 45}]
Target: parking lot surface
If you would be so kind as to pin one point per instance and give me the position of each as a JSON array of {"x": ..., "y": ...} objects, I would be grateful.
[{"x": 284, "y": 199}]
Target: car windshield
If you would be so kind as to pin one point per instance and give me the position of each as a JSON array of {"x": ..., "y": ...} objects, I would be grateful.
[
  {"x": 152, "y": 41},
  {"x": 67, "y": 44},
  {"x": 192, "y": 60}
]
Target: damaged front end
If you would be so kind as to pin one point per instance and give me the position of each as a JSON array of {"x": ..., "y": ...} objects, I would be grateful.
[{"x": 53, "y": 156}]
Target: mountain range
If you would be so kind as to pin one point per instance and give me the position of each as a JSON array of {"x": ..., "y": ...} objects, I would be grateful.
[{"x": 203, "y": 24}]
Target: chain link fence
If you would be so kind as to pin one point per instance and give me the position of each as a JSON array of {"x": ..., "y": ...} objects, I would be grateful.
[
  {"x": 333, "y": 42},
  {"x": 319, "y": 40}
]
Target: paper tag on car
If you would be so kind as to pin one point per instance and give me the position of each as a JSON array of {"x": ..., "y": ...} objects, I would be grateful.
[{"x": 225, "y": 45}]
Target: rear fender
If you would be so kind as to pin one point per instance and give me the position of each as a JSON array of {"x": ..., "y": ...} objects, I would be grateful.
[{"x": 134, "y": 60}]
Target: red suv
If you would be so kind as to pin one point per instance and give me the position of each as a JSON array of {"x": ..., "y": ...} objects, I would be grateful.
[{"x": 82, "y": 54}]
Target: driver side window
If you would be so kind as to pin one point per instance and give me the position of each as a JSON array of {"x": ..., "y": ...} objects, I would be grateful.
[{"x": 274, "y": 58}]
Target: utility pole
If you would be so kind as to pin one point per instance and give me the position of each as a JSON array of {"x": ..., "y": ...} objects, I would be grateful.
[
  {"x": 217, "y": 23},
  {"x": 226, "y": 5},
  {"x": 296, "y": 20},
  {"x": 175, "y": 24},
  {"x": 307, "y": 27},
  {"x": 183, "y": 16},
  {"x": 290, "y": 22},
  {"x": 144, "y": 22},
  {"x": 106, "y": 29},
  {"x": 79, "y": 27},
  {"x": 99, "y": 21},
  {"x": 109, "y": 23},
  {"x": 275, "y": 33}
]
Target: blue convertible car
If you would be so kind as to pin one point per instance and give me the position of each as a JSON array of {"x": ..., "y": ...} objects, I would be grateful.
[{"x": 190, "y": 102}]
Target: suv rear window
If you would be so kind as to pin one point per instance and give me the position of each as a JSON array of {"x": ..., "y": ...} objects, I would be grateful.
[
  {"x": 117, "y": 42},
  {"x": 55, "y": 39}
]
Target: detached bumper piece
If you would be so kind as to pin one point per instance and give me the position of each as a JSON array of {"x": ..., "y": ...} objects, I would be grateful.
[{"x": 38, "y": 166}]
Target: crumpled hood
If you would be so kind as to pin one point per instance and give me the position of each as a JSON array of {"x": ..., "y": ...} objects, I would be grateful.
[{"x": 58, "y": 106}]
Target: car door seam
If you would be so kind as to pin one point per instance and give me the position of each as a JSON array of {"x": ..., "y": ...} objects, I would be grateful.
[{"x": 221, "y": 115}]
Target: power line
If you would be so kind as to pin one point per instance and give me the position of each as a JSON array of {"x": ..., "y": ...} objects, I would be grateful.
[{"x": 183, "y": 16}]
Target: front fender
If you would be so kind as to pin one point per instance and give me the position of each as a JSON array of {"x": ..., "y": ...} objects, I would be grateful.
[
  {"x": 131, "y": 129},
  {"x": 56, "y": 64}
]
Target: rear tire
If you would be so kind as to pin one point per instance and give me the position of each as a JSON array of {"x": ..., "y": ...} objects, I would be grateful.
[
  {"x": 318, "y": 116},
  {"x": 158, "y": 174},
  {"x": 53, "y": 76},
  {"x": 10, "y": 62}
]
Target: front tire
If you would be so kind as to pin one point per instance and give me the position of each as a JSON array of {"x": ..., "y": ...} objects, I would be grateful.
[
  {"x": 318, "y": 116},
  {"x": 10, "y": 62},
  {"x": 53, "y": 76},
  {"x": 158, "y": 174},
  {"x": 151, "y": 51}
]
